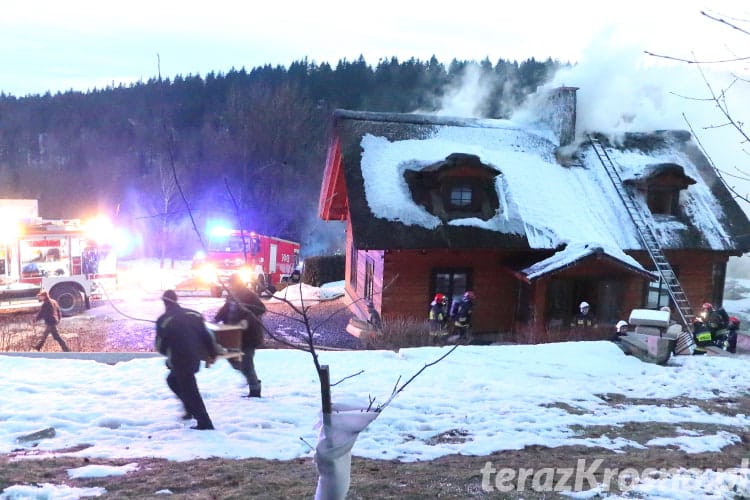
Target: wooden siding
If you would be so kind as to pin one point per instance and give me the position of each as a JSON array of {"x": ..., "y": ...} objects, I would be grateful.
[
  {"x": 410, "y": 293},
  {"x": 695, "y": 272},
  {"x": 407, "y": 275}
]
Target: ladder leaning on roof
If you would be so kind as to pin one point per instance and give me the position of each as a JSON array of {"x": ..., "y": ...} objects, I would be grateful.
[{"x": 649, "y": 241}]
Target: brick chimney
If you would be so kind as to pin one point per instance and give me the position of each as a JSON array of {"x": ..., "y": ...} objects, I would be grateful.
[{"x": 560, "y": 113}]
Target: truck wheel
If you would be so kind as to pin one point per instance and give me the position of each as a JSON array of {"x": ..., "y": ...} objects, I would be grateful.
[
  {"x": 69, "y": 298},
  {"x": 216, "y": 291}
]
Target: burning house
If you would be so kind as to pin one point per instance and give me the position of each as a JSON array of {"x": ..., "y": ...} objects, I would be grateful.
[{"x": 533, "y": 217}]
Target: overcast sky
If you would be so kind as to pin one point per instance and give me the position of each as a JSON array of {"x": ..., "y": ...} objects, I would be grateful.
[{"x": 82, "y": 44}]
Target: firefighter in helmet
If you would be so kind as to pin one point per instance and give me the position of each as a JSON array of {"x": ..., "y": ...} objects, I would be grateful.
[
  {"x": 438, "y": 314},
  {"x": 734, "y": 325},
  {"x": 702, "y": 336}
]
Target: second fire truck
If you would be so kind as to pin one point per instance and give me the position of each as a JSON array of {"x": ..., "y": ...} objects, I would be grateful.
[{"x": 261, "y": 260}]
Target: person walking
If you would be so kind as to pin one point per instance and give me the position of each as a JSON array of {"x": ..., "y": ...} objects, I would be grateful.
[
  {"x": 461, "y": 314},
  {"x": 51, "y": 314},
  {"x": 244, "y": 307},
  {"x": 437, "y": 313},
  {"x": 181, "y": 336}
]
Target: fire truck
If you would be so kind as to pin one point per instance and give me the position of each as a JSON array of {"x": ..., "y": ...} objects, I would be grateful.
[
  {"x": 262, "y": 261},
  {"x": 60, "y": 256}
]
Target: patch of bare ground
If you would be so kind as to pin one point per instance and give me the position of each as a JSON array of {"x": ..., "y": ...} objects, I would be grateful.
[{"x": 453, "y": 476}]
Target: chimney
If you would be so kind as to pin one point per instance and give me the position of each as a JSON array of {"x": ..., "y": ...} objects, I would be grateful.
[{"x": 560, "y": 113}]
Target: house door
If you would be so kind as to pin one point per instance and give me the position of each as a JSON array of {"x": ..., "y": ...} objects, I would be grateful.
[
  {"x": 452, "y": 283},
  {"x": 565, "y": 295}
]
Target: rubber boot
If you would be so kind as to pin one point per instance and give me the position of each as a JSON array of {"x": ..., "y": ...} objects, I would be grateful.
[{"x": 254, "y": 391}]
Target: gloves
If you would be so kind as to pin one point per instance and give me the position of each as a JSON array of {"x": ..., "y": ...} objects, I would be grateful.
[{"x": 243, "y": 324}]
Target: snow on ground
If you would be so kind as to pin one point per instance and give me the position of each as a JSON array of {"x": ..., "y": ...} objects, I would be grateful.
[{"x": 500, "y": 396}]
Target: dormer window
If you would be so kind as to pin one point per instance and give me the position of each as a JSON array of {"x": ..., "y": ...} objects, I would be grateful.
[
  {"x": 663, "y": 200},
  {"x": 461, "y": 197},
  {"x": 661, "y": 185},
  {"x": 461, "y": 186}
]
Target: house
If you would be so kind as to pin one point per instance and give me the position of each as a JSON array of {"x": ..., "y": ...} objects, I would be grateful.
[{"x": 526, "y": 215}]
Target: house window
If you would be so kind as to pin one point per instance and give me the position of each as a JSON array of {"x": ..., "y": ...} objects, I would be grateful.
[
  {"x": 461, "y": 197},
  {"x": 663, "y": 200},
  {"x": 450, "y": 282},
  {"x": 657, "y": 294},
  {"x": 353, "y": 267},
  {"x": 369, "y": 277}
]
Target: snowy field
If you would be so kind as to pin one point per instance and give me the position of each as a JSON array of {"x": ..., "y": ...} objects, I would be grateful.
[{"x": 498, "y": 397}]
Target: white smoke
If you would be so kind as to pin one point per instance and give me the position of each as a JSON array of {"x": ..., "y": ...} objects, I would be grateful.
[{"x": 469, "y": 97}]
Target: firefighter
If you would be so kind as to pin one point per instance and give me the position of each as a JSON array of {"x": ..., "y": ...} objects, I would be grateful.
[
  {"x": 438, "y": 316},
  {"x": 461, "y": 314},
  {"x": 716, "y": 318},
  {"x": 584, "y": 318},
  {"x": 702, "y": 336},
  {"x": 244, "y": 307},
  {"x": 621, "y": 329},
  {"x": 734, "y": 325}
]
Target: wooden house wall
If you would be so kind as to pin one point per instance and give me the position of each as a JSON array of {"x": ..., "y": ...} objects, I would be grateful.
[
  {"x": 695, "y": 272},
  {"x": 409, "y": 274}
]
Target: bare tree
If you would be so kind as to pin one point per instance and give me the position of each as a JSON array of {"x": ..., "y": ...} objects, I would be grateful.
[{"x": 724, "y": 96}]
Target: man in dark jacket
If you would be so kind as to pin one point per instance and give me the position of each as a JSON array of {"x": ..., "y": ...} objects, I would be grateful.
[
  {"x": 461, "y": 315},
  {"x": 51, "y": 315},
  {"x": 181, "y": 335},
  {"x": 244, "y": 307}
]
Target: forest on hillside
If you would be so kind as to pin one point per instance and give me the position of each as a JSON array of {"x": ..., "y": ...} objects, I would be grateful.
[{"x": 247, "y": 146}]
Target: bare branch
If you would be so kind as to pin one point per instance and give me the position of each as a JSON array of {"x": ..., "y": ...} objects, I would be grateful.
[
  {"x": 695, "y": 61},
  {"x": 719, "y": 173},
  {"x": 348, "y": 377},
  {"x": 724, "y": 22},
  {"x": 396, "y": 391}
]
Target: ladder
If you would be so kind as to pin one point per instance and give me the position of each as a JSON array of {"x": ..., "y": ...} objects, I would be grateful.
[{"x": 649, "y": 241}]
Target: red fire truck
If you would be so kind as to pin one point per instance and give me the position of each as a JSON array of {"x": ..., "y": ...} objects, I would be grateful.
[
  {"x": 60, "y": 256},
  {"x": 261, "y": 260}
]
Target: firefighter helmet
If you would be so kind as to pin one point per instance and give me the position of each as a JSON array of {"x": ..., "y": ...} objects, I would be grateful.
[
  {"x": 707, "y": 306},
  {"x": 734, "y": 322},
  {"x": 583, "y": 305},
  {"x": 620, "y": 324},
  {"x": 439, "y": 297}
]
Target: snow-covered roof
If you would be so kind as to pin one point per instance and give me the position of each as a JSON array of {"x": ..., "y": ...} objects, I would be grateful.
[{"x": 544, "y": 205}]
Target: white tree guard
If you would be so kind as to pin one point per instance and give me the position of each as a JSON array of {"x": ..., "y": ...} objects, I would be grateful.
[{"x": 333, "y": 454}]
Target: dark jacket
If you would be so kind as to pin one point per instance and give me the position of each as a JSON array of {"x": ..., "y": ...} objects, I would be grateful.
[
  {"x": 181, "y": 335},
  {"x": 50, "y": 312},
  {"x": 581, "y": 320},
  {"x": 249, "y": 307},
  {"x": 461, "y": 312},
  {"x": 703, "y": 336}
]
